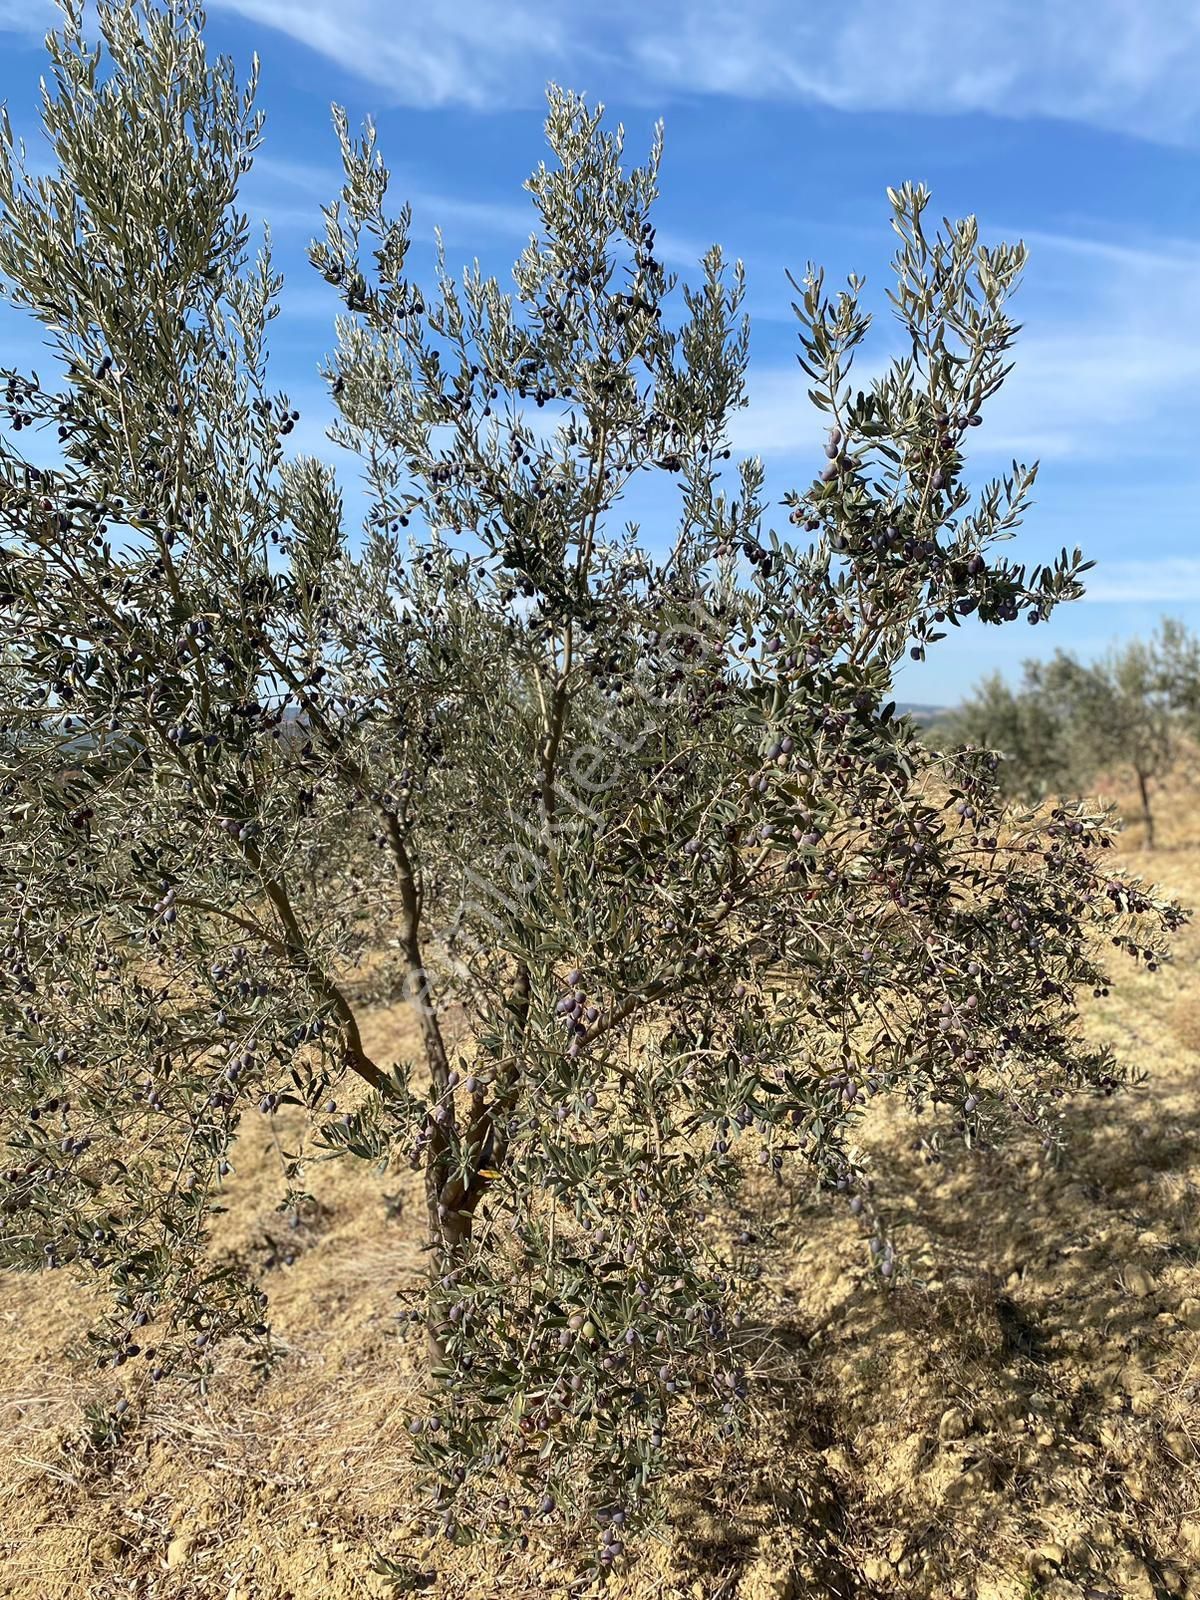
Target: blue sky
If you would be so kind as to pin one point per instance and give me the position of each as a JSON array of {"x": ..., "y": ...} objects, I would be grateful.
[{"x": 1073, "y": 124}]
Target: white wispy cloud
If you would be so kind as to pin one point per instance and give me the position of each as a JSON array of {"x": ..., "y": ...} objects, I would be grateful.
[
  {"x": 1123, "y": 64},
  {"x": 1164, "y": 580},
  {"x": 28, "y": 17},
  {"x": 1150, "y": 255},
  {"x": 1116, "y": 374},
  {"x": 463, "y": 54}
]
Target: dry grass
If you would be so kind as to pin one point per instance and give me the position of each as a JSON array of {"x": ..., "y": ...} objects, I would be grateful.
[{"x": 1019, "y": 1418}]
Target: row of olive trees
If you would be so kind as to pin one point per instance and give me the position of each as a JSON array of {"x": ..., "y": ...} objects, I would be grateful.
[
  {"x": 640, "y": 813},
  {"x": 1137, "y": 707}
]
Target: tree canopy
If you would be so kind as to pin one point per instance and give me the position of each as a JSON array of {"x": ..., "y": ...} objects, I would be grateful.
[{"x": 673, "y": 891}]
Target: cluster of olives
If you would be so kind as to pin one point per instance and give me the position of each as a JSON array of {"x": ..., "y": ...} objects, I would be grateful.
[
  {"x": 18, "y": 394},
  {"x": 16, "y": 964},
  {"x": 241, "y": 829},
  {"x": 577, "y": 1013},
  {"x": 285, "y": 419},
  {"x": 624, "y": 308},
  {"x": 838, "y": 460},
  {"x": 125, "y": 1348},
  {"x": 882, "y": 1253},
  {"x": 611, "y": 1545},
  {"x": 153, "y": 1095},
  {"x": 165, "y": 908}
]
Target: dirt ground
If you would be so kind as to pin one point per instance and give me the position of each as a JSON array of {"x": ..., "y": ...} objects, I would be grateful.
[{"x": 1020, "y": 1417}]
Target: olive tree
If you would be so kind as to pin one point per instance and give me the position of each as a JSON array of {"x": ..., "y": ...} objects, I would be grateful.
[
  {"x": 672, "y": 890},
  {"x": 1070, "y": 720},
  {"x": 1114, "y": 711},
  {"x": 1176, "y": 652},
  {"x": 1022, "y": 728}
]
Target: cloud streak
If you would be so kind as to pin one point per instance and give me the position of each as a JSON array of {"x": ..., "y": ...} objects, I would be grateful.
[
  {"x": 26, "y": 17},
  {"x": 1124, "y": 65},
  {"x": 1128, "y": 65},
  {"x": 1163, "y": 580}
]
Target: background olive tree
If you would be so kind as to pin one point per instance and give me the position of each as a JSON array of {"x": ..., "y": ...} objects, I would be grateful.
[
  {"x": 1069, "y": 721},
  {"x": 672, "y": 890},
  {"x": 1037, "y": 758}
]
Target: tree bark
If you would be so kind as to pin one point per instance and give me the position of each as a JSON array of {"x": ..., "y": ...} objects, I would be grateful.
[{"x": 1147, "y": 814}]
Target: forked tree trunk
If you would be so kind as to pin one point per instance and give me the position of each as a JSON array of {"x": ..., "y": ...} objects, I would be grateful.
[{"x": 451, "y": 1207}]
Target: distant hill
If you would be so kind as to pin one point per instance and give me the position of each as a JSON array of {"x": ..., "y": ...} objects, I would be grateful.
[{"x": 921, "y": 714}]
